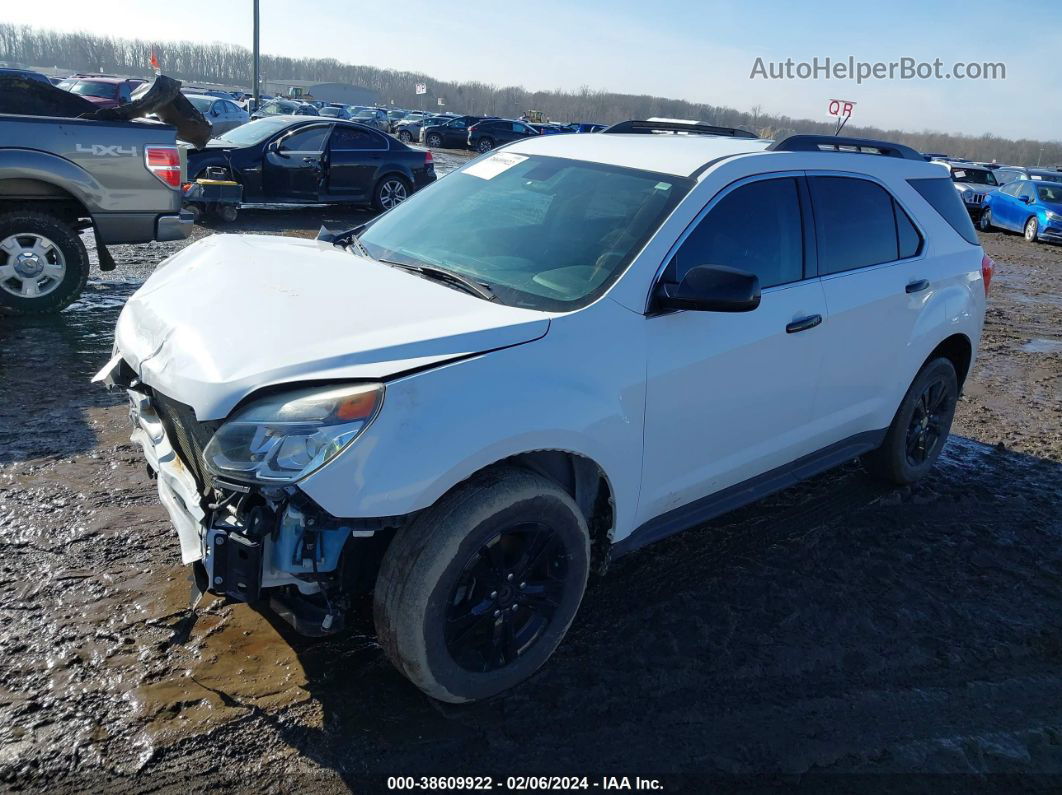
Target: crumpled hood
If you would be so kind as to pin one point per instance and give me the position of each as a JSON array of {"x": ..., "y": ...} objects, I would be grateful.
[{"x": 233, "y": 313}]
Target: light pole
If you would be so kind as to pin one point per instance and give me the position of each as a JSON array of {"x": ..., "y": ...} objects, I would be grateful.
[{"x": 257, "y": 101}]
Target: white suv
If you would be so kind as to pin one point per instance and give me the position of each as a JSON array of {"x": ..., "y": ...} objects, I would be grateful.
[{"x": 565, "y": 350}]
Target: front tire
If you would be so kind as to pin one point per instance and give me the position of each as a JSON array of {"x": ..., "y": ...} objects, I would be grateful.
[
  {"x": 984, "y": 223},
  {"x": 920, "y": 428},
  {"x": 43, "y": 263},
  {"x": 1032, "y": 230},
  {"x": 474, "y": 596}
]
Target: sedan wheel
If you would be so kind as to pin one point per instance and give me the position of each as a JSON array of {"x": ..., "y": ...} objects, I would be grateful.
[
  {"x": 1032, "y": 230},
  {"x": 391, "y": 192}
]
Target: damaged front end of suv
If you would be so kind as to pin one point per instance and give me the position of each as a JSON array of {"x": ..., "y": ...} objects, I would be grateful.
[{"x": 231, "y": 489}]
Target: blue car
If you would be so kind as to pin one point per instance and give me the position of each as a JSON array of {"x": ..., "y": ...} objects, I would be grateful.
[{"x": 1031, "y": 206}]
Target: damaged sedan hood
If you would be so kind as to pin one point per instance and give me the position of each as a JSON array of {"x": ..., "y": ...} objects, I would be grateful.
[{"x": 234, "y": 313}]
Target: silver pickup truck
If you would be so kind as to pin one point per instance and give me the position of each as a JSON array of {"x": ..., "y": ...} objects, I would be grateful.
[{"x": 61, "y": 176}]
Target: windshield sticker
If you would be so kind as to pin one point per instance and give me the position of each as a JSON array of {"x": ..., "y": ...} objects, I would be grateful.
[
  {"x": 663, "y": 186},
  {"x": 494, "y": 165},
  {"x": 959, "y": 174}
]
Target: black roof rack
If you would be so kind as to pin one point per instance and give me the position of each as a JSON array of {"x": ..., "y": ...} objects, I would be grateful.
[
  {"x": 833, "y": 143},
  {"x": 695, "y": 128}
]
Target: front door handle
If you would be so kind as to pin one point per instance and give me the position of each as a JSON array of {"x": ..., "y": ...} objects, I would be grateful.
[
  {"x": 803, "y": 324},
  {"x": 918, "y": 286}
]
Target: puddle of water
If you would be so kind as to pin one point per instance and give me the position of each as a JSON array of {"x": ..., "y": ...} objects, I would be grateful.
[{"x": 1042, "y": 346}]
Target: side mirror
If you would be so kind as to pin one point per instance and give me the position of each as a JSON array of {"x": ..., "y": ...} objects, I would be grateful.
[
  {"x": 1026, "y": 199},
  {"x": 710, "y": 288}
]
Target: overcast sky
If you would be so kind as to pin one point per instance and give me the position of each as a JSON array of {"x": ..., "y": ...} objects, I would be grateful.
[{"x": 699, "y": 50}]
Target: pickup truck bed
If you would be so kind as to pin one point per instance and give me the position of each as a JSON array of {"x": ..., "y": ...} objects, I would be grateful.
[{"x": 59, "y": 176}]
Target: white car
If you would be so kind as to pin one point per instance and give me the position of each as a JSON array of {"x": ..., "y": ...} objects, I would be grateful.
[{"x": 567, "y": 349}]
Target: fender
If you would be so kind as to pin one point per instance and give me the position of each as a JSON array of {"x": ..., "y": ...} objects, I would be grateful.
[
  {"x": 438, "y": 427},
  {"x": 53, "y": 170}
]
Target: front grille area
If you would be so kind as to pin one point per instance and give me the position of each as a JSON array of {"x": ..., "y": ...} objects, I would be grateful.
[
  {"x": 187, "y": 435},
  {"x": 975, "y": 198}
]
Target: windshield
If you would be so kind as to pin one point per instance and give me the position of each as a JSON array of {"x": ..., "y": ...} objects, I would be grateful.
[
  {"x": 279, "y": 108},
  {"x": 92, "y": 88},
  {"x": 1050, "y": 193},
  {"x": 365, "y": 114},
  {"x": 253, "y": 132},
  {"x": 542, "y": 232},
  {"x": 976, "y": 176},
  {"x": 202, "y": 104}
]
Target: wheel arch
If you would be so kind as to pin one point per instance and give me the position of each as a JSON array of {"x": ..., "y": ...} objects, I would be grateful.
[{"x": 959, "y": 351}]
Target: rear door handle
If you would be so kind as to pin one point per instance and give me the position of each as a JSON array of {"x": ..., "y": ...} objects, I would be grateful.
[
  {"x": 803, "y": 324},
  {"x": 918, "y": 286}
]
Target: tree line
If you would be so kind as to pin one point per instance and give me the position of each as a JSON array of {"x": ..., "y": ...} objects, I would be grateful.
[{"x": 228, "y": 64}]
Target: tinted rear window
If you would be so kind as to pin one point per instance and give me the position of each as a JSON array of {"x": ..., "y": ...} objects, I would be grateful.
[
  {"x": 941, "y": 194},
  {"x": 854, "y": 222}
]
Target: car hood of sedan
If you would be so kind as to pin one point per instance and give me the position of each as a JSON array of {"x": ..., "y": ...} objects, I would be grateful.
[{"x": 234, "y": 313}]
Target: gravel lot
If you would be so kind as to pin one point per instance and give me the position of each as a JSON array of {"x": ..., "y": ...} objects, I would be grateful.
[{"x": 837, "y": 628}]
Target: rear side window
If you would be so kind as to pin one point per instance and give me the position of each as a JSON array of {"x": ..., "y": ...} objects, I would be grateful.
[
  {"x": 855, "y": 223},
  {"x": 774, "y": 251},
  {"x": 941, "y": 194}
]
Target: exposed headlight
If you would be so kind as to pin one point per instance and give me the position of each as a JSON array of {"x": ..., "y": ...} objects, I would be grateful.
[
  {"x": 283, "y": 438},
  {"x": 1053, "y": 216}
]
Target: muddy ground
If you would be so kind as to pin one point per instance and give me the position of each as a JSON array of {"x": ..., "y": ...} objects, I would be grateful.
[{"x": 838, "y": 628}]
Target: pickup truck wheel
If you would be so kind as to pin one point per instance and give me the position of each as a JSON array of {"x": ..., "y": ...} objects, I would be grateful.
[
  {"x": 43, "y": 263},
  {"x": 920, "y": 427},
  {"x": 390, "y": 191},
  {"x": 475, "y": 595}
]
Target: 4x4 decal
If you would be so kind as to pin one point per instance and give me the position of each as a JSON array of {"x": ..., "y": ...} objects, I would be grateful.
[{"x": 103, "y": 150}]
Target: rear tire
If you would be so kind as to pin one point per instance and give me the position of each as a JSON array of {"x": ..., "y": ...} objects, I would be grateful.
[
  {"x": 405, "y": 136},
  {"x": 474, "y": 596},
  {"x": 434, "y": 141},
  {"x": 920, "y": 428},
  {"x": 43, "y": 263},
  {"x": 390, "y": 191},
  {"x": 485, "y": 145}
]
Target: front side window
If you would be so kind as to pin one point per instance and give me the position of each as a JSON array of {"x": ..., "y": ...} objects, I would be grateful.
[
  {"x": 544, "y": 233},
  {"x": 311, "y": 139},
  {"x": 855, "y": 223},
  {"x": 756, "y": 228}
]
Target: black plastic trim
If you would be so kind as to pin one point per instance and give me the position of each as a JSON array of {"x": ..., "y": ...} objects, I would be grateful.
[
  {"x": 832, "y": 143},
  {"x": 649, "y": 127},
  {"x": 749, "y": 491}
]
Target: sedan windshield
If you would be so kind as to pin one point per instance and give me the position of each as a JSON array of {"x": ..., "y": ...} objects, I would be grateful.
[
  {"x": 92, "y": 88},
  {"x": 976, "y": 176},
  {"x": 1050, "y": 193},
  {"x": 253, "y": 132},
  {"x": 542, "y": 232}
]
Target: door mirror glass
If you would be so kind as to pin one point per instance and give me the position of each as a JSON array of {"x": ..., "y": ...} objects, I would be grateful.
[{"x": 710, "y": 288}]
